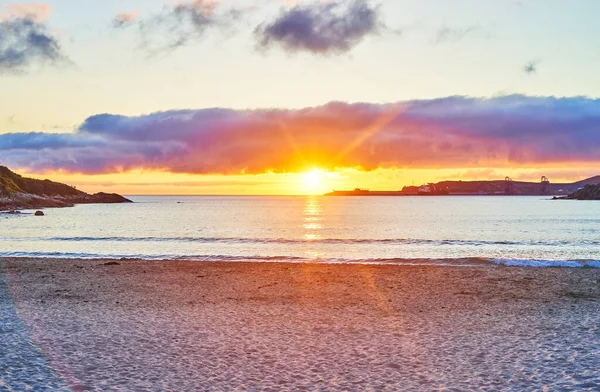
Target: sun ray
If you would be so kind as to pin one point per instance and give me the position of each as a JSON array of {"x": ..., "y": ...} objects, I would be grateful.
[
  {"x": 380, "y": 122},
  {"x": 314, "y": 181}
]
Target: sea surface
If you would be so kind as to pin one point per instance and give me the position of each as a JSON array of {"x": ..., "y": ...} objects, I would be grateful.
[{"x": 527, "y": 231}]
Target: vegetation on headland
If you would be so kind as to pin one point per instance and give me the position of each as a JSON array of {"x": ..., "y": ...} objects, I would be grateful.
[
  {"x": 588, "y": 192},
  {"x": 18, "y": 192}
]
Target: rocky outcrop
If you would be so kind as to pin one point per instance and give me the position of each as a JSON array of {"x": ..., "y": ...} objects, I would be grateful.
[
  {"x": 588, "y": 192},
  {"x": 22, "y": 201},
  {"x": 17, "y": 193},
  {"x": 103, "y": 198}
]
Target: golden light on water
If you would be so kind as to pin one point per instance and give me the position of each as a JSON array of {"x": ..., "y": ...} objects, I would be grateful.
[{"x": 312, "y": 225}]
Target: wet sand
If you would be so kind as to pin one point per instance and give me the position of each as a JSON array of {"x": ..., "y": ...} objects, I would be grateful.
[{"x": 144, "y": 325}]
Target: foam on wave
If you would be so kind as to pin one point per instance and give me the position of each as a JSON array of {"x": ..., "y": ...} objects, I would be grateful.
[
  {"x": 348, "y": 241},
  {"x": 441, "y": 262}
]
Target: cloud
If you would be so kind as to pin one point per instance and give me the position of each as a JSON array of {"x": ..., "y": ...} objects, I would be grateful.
[
  {"x": 124, "y": 19},
  {"x": 25, "y": 40},
  {"x": 195, "y": 184},
  {"x": 35, "y": 11},
  {"x": 332, "y": 27},
  {"x": 531, "y": 67},
  {"x": 452, "y": 132},
  {"x": 179, "y": 25},
  {"x": 447, "y": 34}
]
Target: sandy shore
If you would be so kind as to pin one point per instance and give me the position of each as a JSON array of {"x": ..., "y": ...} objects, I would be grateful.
[{"x": 186, "y": 326}]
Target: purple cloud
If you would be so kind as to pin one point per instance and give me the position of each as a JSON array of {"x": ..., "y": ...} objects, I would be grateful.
[
  {"x": 459, "y": 132},
  {"x": 333, "y": 27}
]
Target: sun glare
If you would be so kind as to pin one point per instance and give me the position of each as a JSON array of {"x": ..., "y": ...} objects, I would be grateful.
[{"x": 313, "y": 181}]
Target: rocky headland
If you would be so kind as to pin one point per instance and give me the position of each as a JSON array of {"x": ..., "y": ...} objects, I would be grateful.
[
  {"x": 588, "y": 192},
  {"x": 18, "y": 192}
]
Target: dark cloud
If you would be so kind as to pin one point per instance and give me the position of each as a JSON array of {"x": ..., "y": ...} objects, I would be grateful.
[
  {"x": 179, "y": 25},
  {"x": 459, "y": 132},
  {"x": 333, "y": 27},
  {"x": 25, "y": 41},
  {"x": 531, "y": 67}
]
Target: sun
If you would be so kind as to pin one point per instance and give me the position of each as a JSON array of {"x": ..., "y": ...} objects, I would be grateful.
[{"x": 314, "y": 180}]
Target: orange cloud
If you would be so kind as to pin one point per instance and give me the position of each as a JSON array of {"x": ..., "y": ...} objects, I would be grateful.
[
  {"x": 34, "y": 11},
  {"x": 125, "y": 18},
  {"x": 453, "y": 132}
]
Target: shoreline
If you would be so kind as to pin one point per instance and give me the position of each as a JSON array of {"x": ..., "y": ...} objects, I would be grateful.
[
  {"x": 458, "y": 262},
  {"x": 188, "y": 325}
]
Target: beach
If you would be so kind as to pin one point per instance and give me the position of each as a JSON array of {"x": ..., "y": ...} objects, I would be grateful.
[{"x": 185, "y": 325}]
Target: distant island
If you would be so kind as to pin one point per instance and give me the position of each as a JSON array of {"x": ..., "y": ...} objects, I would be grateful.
[
  {"x": 18, "y": 193},
  {"x": 506, "y": 187}
]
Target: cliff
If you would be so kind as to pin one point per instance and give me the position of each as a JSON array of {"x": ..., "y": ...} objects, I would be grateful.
[{"x": 17, "y": 192}]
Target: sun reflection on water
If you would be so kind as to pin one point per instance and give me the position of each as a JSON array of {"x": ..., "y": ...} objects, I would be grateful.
[{"x": 312, "y": 225}]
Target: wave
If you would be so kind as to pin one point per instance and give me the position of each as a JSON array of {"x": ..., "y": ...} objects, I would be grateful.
[
  {"x": 547, "y": 263},
  {"x": 439, "y": 262},
  {"x": 333, "y": 241}
]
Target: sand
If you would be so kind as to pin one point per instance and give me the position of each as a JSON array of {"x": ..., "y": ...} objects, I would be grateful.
[{"x": 184, "y": 326}]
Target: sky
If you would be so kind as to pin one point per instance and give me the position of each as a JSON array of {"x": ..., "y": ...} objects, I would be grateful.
[{"x": 297, "y": 97}]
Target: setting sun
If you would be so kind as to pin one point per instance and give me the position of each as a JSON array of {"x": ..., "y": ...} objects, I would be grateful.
[{"x": 314, "y": 181}]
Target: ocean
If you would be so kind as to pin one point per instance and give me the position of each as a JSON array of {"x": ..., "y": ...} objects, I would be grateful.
[
  {"x": 138, "y": 325},
  {"x": 456, "y": 231}
]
